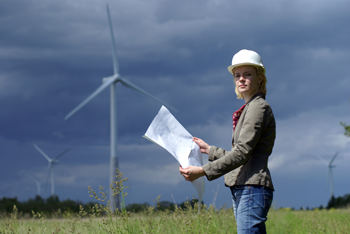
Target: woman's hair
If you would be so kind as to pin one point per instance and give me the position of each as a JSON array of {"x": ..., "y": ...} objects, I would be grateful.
[{"x": 262, "y": 87}]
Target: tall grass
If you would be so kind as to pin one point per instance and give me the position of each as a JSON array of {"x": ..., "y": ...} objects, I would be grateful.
[
  {"x": 150, "y": 221},
  {"x": 179, "y": 221},
  {"x": 99, "y": 219}
]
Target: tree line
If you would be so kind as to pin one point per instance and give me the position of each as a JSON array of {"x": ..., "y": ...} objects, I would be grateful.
[
  {"x": 339, "y": 202},
  {"x": 53, "y": 205}
]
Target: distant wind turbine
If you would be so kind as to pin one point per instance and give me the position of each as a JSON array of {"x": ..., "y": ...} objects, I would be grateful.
[
  {"x": 38, "y": 184},
  {"x": 52, "y": 162},
  {"x": 330, "y": 174},
  {"x": 112, "y": 81}
]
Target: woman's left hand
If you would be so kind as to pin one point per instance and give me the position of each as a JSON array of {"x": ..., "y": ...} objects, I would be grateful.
[{"x": 192, "y": 172}]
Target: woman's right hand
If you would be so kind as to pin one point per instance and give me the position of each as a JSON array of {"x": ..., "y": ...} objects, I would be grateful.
[{"x": 202, "y": 145}]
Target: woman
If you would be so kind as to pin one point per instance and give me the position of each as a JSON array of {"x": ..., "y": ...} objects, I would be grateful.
[{"x": 245, "y": 166}]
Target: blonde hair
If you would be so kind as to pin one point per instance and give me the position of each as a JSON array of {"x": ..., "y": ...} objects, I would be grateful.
[{"x": 262, "y": 86}]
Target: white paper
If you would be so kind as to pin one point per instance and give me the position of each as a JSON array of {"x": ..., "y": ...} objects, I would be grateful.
[{"x": 167, "y": 132}]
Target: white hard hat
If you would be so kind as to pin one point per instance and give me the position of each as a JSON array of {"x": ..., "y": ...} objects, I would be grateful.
[{"x": 246, "y": 57}]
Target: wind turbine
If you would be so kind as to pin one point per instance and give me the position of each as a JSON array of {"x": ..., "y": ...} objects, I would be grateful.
[
  {"x": 38, "y": 184},
  {"x": 112, "y": 81},
  {"x": 51, "y": 171},
  {"x": 330, "y": 166}
]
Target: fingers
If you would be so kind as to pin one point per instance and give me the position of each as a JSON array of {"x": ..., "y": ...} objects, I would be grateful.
[
  {"x": 200, "y": 142},
  {"x": 196, "y": 139},
  {"x": 187, "y": 177},
  {"x": 191, "y": 173},
  {"x": 184, "y": 173},
  {"x": 183, "y": 170}
]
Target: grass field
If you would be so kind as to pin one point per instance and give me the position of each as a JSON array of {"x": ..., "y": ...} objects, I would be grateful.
[
  {"x": 180, "y": 221},
  {"x": 99, "y": 219}
]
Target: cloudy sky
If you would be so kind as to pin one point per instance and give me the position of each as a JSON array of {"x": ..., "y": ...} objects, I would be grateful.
[{"x": 53, "y": 54}]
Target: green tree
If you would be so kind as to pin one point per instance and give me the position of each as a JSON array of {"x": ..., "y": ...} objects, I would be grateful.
[
  {"x": 188, "y": 203},
  {"x": 347, "y": 129},
  {"x": 339, "y": 202},
  {"x": 136, "y": 207}
]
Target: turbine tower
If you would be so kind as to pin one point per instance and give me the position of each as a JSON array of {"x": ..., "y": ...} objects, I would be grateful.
[
  {"x": 38, "y": 184},
  {"x": 330, "y": 174},
  {"x": 52, "y": 162},
  {"x": 112, "y": 81}
]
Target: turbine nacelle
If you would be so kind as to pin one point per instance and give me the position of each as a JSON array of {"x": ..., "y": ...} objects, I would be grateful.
[{"x": 115, "y": 77}]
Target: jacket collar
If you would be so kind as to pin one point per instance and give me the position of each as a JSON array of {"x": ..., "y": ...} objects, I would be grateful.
[{"x": 261, "y": 95}]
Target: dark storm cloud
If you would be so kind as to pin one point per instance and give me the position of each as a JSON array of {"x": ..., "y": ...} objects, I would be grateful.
[{"x": 53, "y": 54}]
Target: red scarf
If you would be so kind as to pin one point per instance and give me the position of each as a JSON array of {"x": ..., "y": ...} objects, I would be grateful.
[{"x": 236, "y": 115}]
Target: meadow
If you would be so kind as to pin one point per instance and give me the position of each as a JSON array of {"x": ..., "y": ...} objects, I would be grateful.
[
  {"x": 98, "y": 218},
  {"x": 209, "y": 220}
]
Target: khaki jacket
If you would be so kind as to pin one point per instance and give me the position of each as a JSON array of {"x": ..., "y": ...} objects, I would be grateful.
[{"x": 252, "y": 143}]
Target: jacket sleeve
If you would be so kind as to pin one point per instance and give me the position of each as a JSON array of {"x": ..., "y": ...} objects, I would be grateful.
[
  {"x": 252, "y": 127},
  {"x": 216, "y": 153}
]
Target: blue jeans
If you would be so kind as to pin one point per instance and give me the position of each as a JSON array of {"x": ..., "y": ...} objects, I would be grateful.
[{"x": 251, "y": 203}]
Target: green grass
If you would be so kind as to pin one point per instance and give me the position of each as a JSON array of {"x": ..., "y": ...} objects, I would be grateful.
[
  {"x": 99, "y": 219},
  {"x": 180, "y": 221},
  {"x": 150, "y": 221},
  {"x": 315, "y": 221}
]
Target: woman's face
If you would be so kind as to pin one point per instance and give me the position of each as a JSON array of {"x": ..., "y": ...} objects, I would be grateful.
[{"x": 246, "y": 80}]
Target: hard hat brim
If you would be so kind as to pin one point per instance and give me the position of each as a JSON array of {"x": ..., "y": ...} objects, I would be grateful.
[{"x": 230, "y": 68}]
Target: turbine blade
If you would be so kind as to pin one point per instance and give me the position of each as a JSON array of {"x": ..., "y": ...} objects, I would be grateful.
[
  {"x": 333, "y": 158},
  {"x": 107, "y": 81},
  {"x": 114, "y": 49},
  {"x": 32, "y": 178},
  {"x": 138, "y": 89},
  {"x": 42, "y": 152},
  {"x": 324, "y": 161},
  {"x": 61, "y": 154}
]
